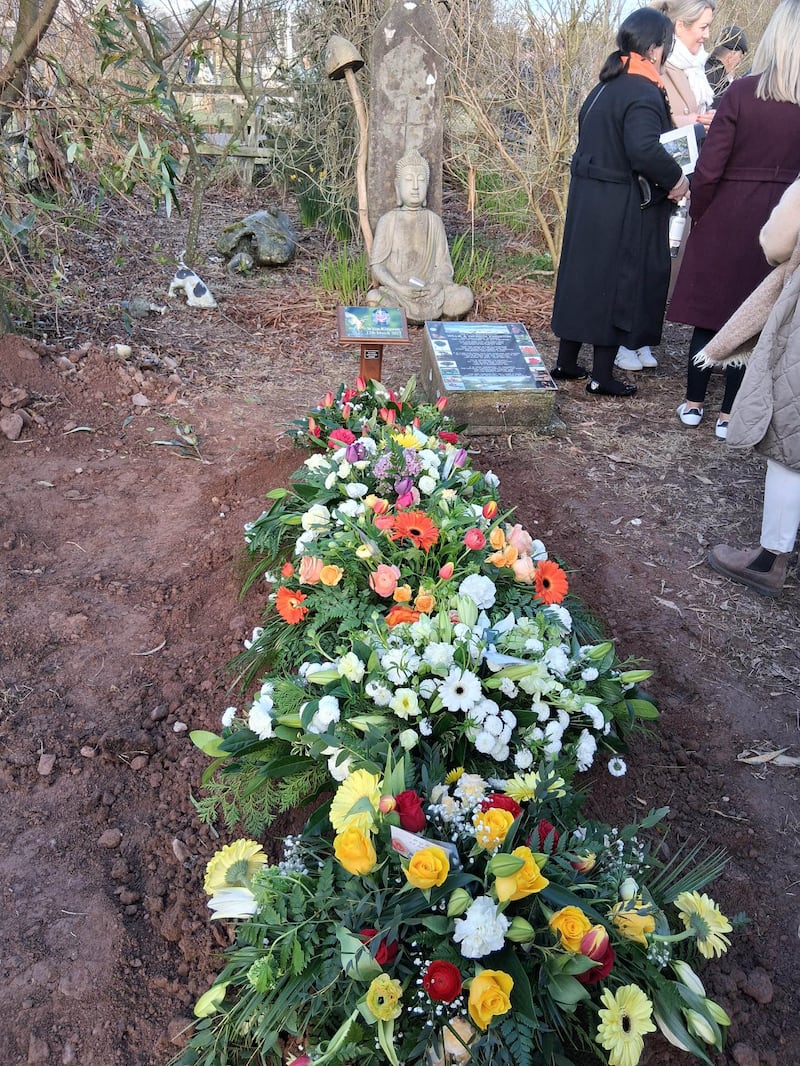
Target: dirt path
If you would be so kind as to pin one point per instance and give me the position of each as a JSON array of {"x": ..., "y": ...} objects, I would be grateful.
[{"x": 119, "y": 609}]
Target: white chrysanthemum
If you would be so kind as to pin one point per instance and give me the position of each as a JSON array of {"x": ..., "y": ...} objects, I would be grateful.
[
  {"x": 563, "y": 718},
  {"x": 482, "y": 930},
  {"x": 356, "y": 490},
  {"x": 427, "y": 484},
  {"x": 508, "y": 688},
  {"x": 480, "y": 589},
  {"x": 557, "y": 660},
  {"x": 523, "y": 759},
  {"x": 493, "y": 724},
  {"x": 591, "y": 673},
  {"x": 534, "y": 646},
  {"x": 228, "y": 716},
  {"x": 325, "y": 715},
  {"x": 555, "y": 612},
  {"x": 501, "y": 751},
  {"x": 595, "y": 715},
  {"x": 338, "y": 768},
  {"x": 541, "y": 710},
  {"x": 404, "y": 703},
  {"x": 485, "y": 742},
  {"x": 617, "y": 766},
  {"x": 260, "y": 720},
  {"x": 351, "y": 667},
  {"x": 460, "y": 690},
  {"x": 378, "y": 693},
  {"x": 439, "y": 656},
  {"x": 425, "y": 727},
  {"x": 585, "y": 751}
]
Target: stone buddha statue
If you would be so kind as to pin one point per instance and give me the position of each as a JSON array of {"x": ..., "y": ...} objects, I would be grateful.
[{"x": 410, "y": 261}]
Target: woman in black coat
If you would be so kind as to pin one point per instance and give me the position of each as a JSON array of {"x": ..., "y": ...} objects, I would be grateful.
[{"x": 615, "y": 263}]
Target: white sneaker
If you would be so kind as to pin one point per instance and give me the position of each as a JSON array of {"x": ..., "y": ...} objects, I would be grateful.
[
  {"x": 627, "y": 359},
  {"x": 646, "y": 358},
  {"x": 690, "y": 416},
  {"x": 721, "y": 428}
]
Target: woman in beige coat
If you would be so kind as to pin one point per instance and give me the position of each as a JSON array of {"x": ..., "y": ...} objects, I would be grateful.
[
  {"x": 688, "y": 89},
  {"x": 766, "y": 414}
]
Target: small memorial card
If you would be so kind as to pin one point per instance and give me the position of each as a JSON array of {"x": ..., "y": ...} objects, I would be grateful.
[
  {"x": 378, "y": 325},
  {"x": 487, "y": 356},
  {"x": 408, "y": 844}
]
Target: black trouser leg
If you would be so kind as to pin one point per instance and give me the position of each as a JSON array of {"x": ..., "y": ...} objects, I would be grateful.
[
  {"x": 567, "y": 358},
  {"x": 733, "y": 379},
  {"x": 603, "y": 364},
  {"x": 697, "y": 379}
]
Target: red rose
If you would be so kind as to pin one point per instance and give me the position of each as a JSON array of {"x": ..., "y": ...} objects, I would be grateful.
[
  {"x": 442, "y": 981},
  {"x": 342, "y": 436},
  {"x": 409, "y": 809},
  {"x": 597, "y": 973},
  {"x": 387, "y": 949},
  {"x": 448, "y": 438},
  {"x": 504, "y": 803},
  {"x": 545, "y": 829}
]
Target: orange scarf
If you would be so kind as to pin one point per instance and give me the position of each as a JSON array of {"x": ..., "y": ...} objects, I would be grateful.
[{"x": 644, "y": 68}]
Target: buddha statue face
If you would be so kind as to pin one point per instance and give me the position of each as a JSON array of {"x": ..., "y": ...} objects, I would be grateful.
[{"x": 411, "y": 182}]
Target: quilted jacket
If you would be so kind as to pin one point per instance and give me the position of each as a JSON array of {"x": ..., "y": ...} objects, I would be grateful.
[{"x": 766, "y": 413}]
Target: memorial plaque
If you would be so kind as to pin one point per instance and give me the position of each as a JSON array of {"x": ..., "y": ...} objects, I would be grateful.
[
  {"x": 384, "y": 325},
  {"x": 492, "y": 374}
]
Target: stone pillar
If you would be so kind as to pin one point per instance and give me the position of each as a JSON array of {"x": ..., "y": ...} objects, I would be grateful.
[{"x": 405, "y": 101}]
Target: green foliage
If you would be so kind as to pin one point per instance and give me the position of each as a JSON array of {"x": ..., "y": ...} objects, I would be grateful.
[
  {"x": 346, "y": 275},
  {"x": 471, "y": 266},
  {"x": 240, "y": 795}
]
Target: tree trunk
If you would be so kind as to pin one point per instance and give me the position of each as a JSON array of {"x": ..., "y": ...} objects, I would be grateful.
[{"x": 32, "y": 24}]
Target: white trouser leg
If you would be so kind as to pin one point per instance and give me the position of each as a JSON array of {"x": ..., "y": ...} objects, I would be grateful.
[{"x": 781, "y": 518}]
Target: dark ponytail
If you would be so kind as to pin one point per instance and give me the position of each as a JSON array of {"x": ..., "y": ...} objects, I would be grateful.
[{"x": 642, "y": 30}]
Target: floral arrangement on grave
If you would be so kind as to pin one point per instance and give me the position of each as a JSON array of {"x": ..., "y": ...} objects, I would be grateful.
[{"x": 422, "y": 660}]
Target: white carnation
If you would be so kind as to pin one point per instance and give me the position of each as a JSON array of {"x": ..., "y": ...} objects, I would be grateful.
[{"x": 482, "y": 930}]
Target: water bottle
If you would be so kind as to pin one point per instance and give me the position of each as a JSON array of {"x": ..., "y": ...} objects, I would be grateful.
[{"x": 677, "y": 224}]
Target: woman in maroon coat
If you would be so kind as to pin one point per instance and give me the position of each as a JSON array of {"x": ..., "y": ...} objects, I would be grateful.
[{"x": 751, "y": 155}]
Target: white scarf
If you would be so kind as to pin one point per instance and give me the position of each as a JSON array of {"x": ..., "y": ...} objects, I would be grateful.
[{"x": 694, "y": 66}]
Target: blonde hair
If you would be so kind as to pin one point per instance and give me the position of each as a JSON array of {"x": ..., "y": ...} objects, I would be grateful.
[
  {"x": 685, "y": 11},
  {"x": 777, "y": 58}
]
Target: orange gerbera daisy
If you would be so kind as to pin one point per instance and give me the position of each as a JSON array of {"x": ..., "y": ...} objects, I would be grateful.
[
  {"x": 551, "y": 582},
  {"x": 399, "y": 614},
  {"x": 287, "y": 603},
  {"x": 416, "y": 527}
]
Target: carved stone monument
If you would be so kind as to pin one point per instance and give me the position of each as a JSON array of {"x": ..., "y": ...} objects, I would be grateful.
[
  {"x": 410, "y": 260},
  {"x": 406, "y": 100}
]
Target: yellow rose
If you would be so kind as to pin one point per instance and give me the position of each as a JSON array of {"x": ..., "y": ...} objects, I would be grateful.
[
  {"x": 634, "y": 920},
  {"x": 492, "y": 826},
  {"x": 428, "y": 867},
  {"x": 331, "y": 575},
  {"x": 524, "y": 882},
  {"x": 383, "y": 998},
  {"x": 489, "y": 995},
  {"x": 355, "y": 851},
  {"x": 571, "y": 924}
]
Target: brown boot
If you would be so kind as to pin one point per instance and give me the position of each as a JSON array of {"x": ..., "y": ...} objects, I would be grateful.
[{"x": 735, "y": 564}]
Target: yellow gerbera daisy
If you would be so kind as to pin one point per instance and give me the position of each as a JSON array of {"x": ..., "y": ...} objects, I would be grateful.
[
  {"x": 362, "y": 791},
  {"x": 234, "y": 866},
  {"x": 522, "y": 787},
  {"x": 703, "y": 917},
  {"x": 407, "y": 439},
  {"x": 624, "y": 1019},
  {"x": 452, "y": 776}
]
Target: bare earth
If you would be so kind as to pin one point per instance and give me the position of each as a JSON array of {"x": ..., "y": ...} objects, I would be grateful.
[{"x": 121, "y": 554}]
